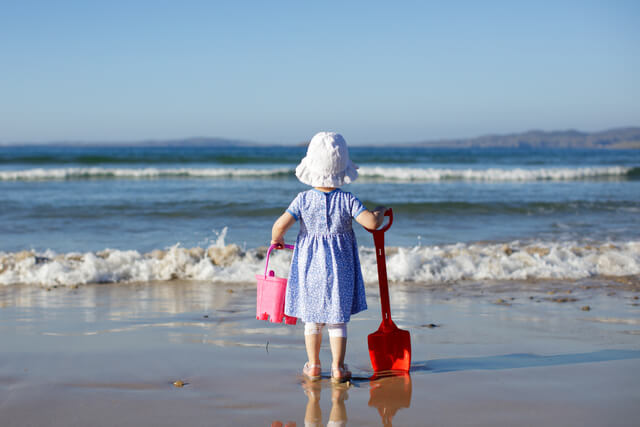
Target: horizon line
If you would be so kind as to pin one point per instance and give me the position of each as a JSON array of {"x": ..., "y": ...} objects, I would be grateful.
[{"x": 253, "y": 143}]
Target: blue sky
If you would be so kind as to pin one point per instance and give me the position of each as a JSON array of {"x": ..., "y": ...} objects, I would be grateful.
[{"x": 276, "y": 71}]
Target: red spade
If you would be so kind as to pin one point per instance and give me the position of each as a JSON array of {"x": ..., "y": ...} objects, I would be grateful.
[{"x": 389, "y": 346}]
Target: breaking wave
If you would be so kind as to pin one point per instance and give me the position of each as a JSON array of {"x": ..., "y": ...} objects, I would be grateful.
[
  {"x": 400, "y": 174},
  {"x": 495, "y": 174},
  {"x": 222, "y": 262},
  {"x": 41, "y": 174}
]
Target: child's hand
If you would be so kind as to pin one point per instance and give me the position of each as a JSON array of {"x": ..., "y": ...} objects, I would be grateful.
[
  {"x": 378, "y": 212},
  {"x": 372, "y": 220},
  {"x": 279, "y": 229},
  {"x": 278, "y": 242}
]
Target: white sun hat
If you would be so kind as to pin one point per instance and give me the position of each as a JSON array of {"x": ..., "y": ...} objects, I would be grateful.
[{"x": 327, "y": 162}]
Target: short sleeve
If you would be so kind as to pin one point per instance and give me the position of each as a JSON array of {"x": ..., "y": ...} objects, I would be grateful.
[
  {"x": 294, "y": 207},
  {"x": 356, "y": 207}
]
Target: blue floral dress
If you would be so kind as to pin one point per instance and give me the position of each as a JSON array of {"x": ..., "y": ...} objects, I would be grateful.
[{"x": 325, "y": 282}]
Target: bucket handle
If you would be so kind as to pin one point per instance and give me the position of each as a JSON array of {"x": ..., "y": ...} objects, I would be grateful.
[{"x": 272, "y": 247}]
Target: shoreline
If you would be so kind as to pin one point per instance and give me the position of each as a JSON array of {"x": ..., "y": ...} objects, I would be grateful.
[
  {"x": 109, "y": 354},
  {"x": 436, "y": 265},
  {"x": 629, "y": 283}
]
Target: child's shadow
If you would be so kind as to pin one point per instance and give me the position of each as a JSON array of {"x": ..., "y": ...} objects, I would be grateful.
[{"x": 514, "y": 361}]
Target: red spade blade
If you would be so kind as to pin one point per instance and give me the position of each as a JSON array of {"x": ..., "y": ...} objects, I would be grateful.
[{"x": 390, "y": 348}]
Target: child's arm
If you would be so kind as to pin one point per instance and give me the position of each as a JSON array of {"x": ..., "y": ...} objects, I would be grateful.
[
  {"x": 372, "y": 219},
  {"x": 280, "y": 228}
]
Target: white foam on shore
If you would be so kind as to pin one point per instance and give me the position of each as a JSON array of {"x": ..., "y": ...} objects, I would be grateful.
[
  {"x": 228, "y": 263},
  {"x": 401, "y": 174}
]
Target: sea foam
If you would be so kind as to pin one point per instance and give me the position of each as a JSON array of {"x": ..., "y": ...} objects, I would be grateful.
[
  {"x": 401, "y": 174},
  {"x": 493, "y": 174},
  {"x": 425, "y": 264},
  {"x": 42, "y": 174}
]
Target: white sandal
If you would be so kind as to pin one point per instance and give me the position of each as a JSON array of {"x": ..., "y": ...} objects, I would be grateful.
[
  {"x": 308, "y": 371},
  {"x": 340, "y": 374}
]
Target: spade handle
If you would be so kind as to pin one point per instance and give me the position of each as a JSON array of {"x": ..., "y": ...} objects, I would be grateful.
[{"x": 378, "y": 241}]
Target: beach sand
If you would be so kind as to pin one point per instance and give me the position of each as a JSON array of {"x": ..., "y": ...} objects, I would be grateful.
[{"x": 498, "y": 354}]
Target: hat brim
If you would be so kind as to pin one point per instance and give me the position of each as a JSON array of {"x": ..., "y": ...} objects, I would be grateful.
[{"x": 308, "y": 176}]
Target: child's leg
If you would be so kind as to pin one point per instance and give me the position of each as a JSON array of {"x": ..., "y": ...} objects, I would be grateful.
[
  {"x": 312, "y": 341},
  {"x": 338, "y": 341}
]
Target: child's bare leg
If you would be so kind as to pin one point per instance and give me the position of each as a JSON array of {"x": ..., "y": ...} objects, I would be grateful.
[
  {"x": 338, "y": 342},
  {"x": 313, "y": 341},
  {"x": 338, "y": 351}
]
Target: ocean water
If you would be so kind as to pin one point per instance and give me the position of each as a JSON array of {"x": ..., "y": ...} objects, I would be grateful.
[{"x": 73, "y": 215}]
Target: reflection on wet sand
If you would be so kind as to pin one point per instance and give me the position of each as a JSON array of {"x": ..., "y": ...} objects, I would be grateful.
[
  {"x": 387, "y": 394},
  {"x": 521, "y": 360},
  {"x": 279, "y": 424},
  {"x": 122, "y": 301},
  {"x": 83, "y": 354},
  {"x": 313, "y": 412}
]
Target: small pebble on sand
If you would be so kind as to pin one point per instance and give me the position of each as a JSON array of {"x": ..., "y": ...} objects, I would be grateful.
[
  {"x": 636, "y": 297},
  {"x": 178, "y": 383},
  {"x": 563, "y": 299},
  {"x": 229, "y": 291},
  {"x": 585, "y": 308},
  {"x": 430, "y": 326}
]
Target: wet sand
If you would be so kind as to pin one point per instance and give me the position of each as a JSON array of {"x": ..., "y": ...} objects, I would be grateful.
[{"x": 105, "y": 355}]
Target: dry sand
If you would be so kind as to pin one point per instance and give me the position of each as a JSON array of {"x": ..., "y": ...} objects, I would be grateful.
[{"x": 108, "y": 355}]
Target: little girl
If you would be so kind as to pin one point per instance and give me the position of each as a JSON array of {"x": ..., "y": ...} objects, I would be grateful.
[{"x": 325, "y": 283}]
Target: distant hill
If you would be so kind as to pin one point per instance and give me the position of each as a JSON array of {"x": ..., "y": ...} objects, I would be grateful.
[
  {"x": 621, "y": 138},
  {"x": 197, "y": 141}
]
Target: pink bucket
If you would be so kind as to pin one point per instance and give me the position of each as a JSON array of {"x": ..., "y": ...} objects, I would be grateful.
[{"x": 270, "y": 296}]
